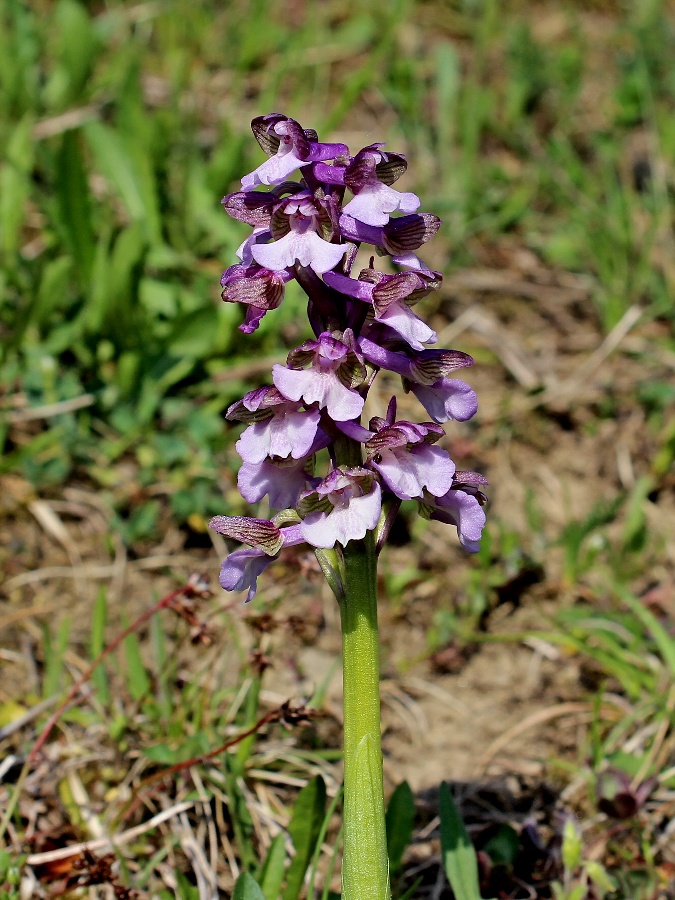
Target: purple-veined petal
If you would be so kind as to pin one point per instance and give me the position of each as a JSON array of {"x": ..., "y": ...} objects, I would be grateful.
[
  {"x": 284, "y": 484},
  {"x": 401, "y": 319},
  {"x": 466, "y": 513},
  {"x": 273, "y": 170},
  {"x": 240, "y": 570}
]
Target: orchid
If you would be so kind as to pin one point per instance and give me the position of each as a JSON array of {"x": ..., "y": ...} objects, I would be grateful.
[{"x": 338, "y": 484}]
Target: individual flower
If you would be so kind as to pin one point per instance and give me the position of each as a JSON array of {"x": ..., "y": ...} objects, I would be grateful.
[
  {"x": 289, "y": 432},
  {"x": 402, "y": 454},
  {"x": 334, "y": 370},
  {"x": 240, "y": 570},
  {"x": 461, "y": 506},
  {"x": 425, "y": 373},
  {"x": 289, "y": 148},
  {"x": 369, "y": 177},
  {"x": 295, "y": 226},
  {"x": 258, "y": 288},
  {"x": 342, "y": 508},
  {"x": 398, "y": 236},
  {"x": 282, "y": 479},
  {"x": 278, "y": 427},
  {"x": 391, "y": 297}
]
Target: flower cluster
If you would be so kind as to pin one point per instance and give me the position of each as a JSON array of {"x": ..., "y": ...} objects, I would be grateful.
[{"x": 311, "y": 231}]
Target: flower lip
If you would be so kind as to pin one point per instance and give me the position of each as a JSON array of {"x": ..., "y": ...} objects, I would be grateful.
[
  {"x": 343, "y": 507},
  {"x": 256, "y": 405}
]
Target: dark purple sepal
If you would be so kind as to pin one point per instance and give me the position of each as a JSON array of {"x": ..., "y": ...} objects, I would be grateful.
[
  {"x": 253, "y": 285},
  {"x": 252, "y": 207},
  {"x": 256, "y": 406},
  {"x": 407, "y": 233},
  {"x": 259, "y": 533},
  {"x": 429, "y": 366}
]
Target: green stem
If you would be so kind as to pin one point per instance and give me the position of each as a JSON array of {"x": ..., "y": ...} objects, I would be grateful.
[{"x": 365, "y": 867}]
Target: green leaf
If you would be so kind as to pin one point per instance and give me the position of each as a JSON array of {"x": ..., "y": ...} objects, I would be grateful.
[
  {"x": 99, "y": 615},
  {"x": 15, "y": 184},
  {"x": 76, "y": 44},
  {"x": 74, "y": 205},
  {"x": 660, "y": 635},
  {"x": 138, "y": 682},
  {"x": 272, "y": 873},
  {"x": 52, "y": 293},
  {"x": 54, "y": 655},
  {"x": 129, "y": 171},
  {"x": 308, "y": 815},
  {"x": 247, "y": 888},
  {"x": 186, "y": 891},
  {"x": 503, "y": 846},
  {"x": 399, "y": 820},
  {"x": 459, "y": 856}
]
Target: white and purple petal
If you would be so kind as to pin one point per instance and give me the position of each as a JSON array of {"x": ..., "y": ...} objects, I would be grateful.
[
  {"x": 347, "y": 522},
  {"x": 307, "y": 248},
  {"x": 283, "y": 484},
  {"x": 288, "y": 433},
  {"x": 240, "y": 570},
  {"x": 408, "y": 472},
  {"x": 375, "y": 201},
  {"x": 322, "y": 387},
  {"x": 466, "y": 513},
  {"x": 401, "y": 319}
]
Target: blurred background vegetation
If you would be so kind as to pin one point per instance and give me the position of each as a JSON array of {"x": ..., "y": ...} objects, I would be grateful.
[{"x": 123, "y": 124}]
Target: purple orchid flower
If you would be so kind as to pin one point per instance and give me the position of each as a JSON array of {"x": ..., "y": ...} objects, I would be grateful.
[
  {"x": 342, "y": 508},
  {"x": 295, "y": 228},
  {"x": 369, "y": 176},
  {"x": 259, "y": 289},
  {"x": 290, "y": 148},
  {"x": 305, "y": 230},
  {"x": 391, "y": 297},
  {"x": 241, "y": 569},
  {"x": 462, "y": 506},
  {"x": 283, "y": 479},
  {"x": 335, "y": 369},
  {"x": 402, "y": 454}
]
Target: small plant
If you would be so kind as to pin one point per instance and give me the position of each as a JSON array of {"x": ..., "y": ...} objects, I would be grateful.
[
  {"x": 582, "y": 878},
  {"x": 10, "y": 875}
]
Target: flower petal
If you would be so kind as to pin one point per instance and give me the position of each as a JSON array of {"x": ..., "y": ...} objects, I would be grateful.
[
  {"x": 324, "y": 388},
  {"x": 308, "y": 249},
  {"x": 343, "y": 524},
  {"x": 407, "y": 472},
  {"x": 446, "y": 399}
]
